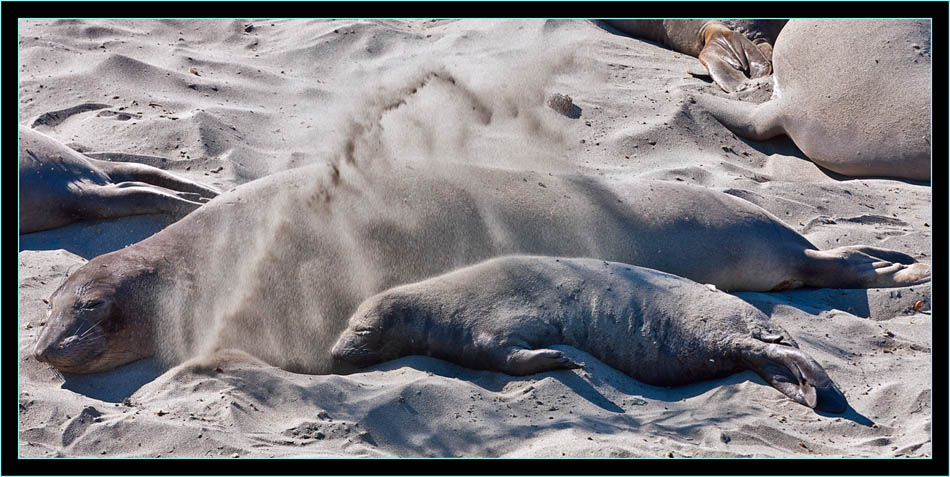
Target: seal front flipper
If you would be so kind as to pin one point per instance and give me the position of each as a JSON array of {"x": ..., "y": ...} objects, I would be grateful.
[
  {"x": 520, "y": 361},
  {"x": 796, "y": 375}
]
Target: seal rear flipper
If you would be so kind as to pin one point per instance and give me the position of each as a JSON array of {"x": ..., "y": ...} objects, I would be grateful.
[
  {"x": 862, "y": 267},
  {"x": 730, "y": 56},
  {"x": 766, "y": 48},
  {"x": 129, "y": 198},
  {"x": 521, "y": 362},
  {"x": 799, "y": 377},
  {"x": 882, "y": 253},
  {"x": 132, "y": 172}
]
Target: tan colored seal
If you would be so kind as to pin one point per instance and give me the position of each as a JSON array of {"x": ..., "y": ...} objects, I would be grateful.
[
  {"x": 731, "y": 50},
  {"x": 854, "y": 96}
]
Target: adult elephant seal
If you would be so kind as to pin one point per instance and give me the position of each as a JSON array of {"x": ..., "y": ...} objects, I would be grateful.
[
  {"x": 505, "y": 313},
  {"x": 854, "y": 96},
  {"x": 731, "y": 50},
  {"x": 276, "y": 266},
  {"x": 59, "y": 186}
]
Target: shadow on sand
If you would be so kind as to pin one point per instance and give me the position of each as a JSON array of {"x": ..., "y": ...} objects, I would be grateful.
[
  {"x": 94, "y": 238},
  {"x": 114, "y": 385}
]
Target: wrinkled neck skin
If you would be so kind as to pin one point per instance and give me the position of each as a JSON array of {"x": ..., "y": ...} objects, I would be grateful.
[
  {"x": 141, "y": 272},
  {"x": 416, "y": 332},
  {"x": 168, "y": 257}
]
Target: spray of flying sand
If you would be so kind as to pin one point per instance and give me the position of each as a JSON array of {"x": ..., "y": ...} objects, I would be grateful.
[{"x": 283, "y": 275}]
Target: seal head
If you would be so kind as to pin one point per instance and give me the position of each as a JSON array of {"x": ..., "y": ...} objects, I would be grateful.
[
  {"x": 369, "y": 338},
  {"x": 93, "y": 323}
]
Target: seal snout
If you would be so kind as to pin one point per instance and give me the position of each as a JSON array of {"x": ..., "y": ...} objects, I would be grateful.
[
  {"x": 339, "y": 349},
  {"x": 70, "y": 350},
  {"x": 354, "y": 349},
  {"x": 41, "y": 352}
]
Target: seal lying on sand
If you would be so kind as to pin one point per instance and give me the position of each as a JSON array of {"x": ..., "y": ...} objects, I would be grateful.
[
  {"x": 661, "y": 329},
  {"x": 729, "y": 49},
  {"x": 287, "y": 258},
  {"x": 854, "y": 96},
  {"x": 59, "y": 186}
]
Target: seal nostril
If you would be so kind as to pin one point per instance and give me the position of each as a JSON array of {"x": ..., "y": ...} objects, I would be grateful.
[{"x": 40, "y": 353}]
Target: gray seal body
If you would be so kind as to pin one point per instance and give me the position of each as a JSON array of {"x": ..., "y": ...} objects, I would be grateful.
[
  {"x": 59, "y": 186},
  {"x": 504, "y": 313}
]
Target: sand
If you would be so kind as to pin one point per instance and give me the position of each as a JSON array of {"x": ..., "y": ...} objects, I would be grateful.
[{"x": 227, "y": 102}]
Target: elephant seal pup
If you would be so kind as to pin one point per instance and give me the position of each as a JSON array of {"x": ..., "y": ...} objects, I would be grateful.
[
  {"x": 853, "y": 95},
  {"x": 276, "y": 266},
  {"x": 729, "y": 49},
  {"x": 504, "y": 313},
  {"x": 59, "y": 186}
]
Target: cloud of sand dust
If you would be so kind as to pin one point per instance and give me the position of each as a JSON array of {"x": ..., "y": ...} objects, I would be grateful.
[
  {"x": 281, "y": 284},
  {"x": 437, "y": 113}
]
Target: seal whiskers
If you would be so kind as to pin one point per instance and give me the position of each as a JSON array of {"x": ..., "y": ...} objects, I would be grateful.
[{"x": 84, "y": 333}]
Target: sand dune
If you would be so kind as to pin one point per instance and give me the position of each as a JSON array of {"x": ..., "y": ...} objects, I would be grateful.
[{"x": 225, "y": 102}]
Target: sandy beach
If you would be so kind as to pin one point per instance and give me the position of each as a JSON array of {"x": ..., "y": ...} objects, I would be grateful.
[{"x": 226, "y": 102}]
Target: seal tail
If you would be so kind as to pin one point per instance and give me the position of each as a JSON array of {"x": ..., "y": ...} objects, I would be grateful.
[{"x": 799, "y": 377}]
